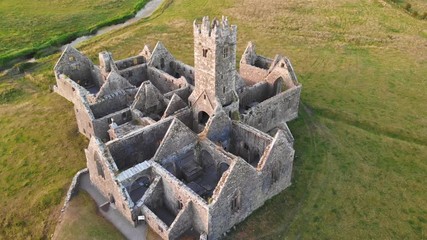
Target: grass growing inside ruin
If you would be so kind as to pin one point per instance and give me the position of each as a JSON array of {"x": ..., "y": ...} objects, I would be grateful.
[
  {"x": 82, "y": 221},
  {"x": 30, "y": 27},
  {"x": 361, "y": 139}
]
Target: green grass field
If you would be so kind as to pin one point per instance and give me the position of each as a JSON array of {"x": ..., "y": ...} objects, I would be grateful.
[
  {"x": 82, "y": 221},
  {"x": 32, "y": 26},
  {"x": 361, "y": 138}
]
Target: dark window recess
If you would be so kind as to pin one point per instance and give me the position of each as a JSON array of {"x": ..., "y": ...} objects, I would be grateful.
[
  {"x": 124, "y": 116},
  {"x": 162, "y": 63},
  {"x": 245, "y": 146},
  {"x": 225, "y": 52},
  {"x": 275, "y": 172},
  {"x": 99, "y": 169},
  {"x": 203, "y": 118},
  {"x": 205, "y": 52},
  {"x": 235, "y": 203}
]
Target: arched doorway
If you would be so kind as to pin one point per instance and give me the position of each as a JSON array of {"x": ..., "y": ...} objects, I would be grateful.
[{"x": 203, "y": 118}]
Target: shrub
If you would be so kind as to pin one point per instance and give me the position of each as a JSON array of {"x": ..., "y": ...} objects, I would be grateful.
[
  {"x": 415, "y": 14},
  {"x": 408, "y": 7}
]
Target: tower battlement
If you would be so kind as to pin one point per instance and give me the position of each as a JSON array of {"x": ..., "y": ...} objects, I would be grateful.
[{"x": 214, "y": 28}]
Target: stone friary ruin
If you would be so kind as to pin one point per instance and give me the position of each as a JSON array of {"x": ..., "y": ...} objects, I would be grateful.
[{"x": 193, "y": 149}]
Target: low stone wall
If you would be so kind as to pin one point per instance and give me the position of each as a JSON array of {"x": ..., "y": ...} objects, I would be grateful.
[{"x": 72, "y": 191}]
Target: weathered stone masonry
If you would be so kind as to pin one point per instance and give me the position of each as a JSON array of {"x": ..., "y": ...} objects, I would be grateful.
[{"x": 193, "y": 149}]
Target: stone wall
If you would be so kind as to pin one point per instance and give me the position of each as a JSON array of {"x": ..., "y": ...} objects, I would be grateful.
[
  {"x": 272, "y": 112},
  {"x": 102, "y": 174},
  {"x": 136, "y": 74},
  {"x": 251, "y": 74},
  {"x": 130, "y": 62},
  {"x": 163, "y": 81}
]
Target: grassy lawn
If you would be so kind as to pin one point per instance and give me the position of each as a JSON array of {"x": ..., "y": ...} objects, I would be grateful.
[
  {"x": 361, "y": 139},
  {"x": 29, "y": 26},
  {"x": 82, "y": 221}
]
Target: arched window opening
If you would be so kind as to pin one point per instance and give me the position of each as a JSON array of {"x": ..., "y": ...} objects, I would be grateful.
[
  {"x": 223, "y": 166},
  {"x": 162, "y": 63},
  {"x": 278, "y": 85},
  {"x": 124, "y": 116},
  {"x": 99, "y": 168},
  {"x": 275, "y": 172},
  {"x": 235, "y": 202},
  {"x": 203, "y": 118}
]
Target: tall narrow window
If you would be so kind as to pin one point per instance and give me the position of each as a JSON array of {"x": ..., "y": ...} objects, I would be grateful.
[
  {"x": 225, "y": 52},
  {"x": 235, "y": 202},
  {"x": 99, "y": 167},
  {"x": 205, "y": 52},
  {"x": 162, "y": 63},
  {"x": 275, "y": 172}
]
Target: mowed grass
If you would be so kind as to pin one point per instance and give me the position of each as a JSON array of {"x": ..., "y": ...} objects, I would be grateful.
[
  {"x": 361, "y": 138},
  {"x": 29, "y": 26},
  {"x": 83, "y": 221}
]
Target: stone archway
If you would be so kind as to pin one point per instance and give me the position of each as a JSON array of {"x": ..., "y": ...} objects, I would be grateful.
[{"x": 202, "y": 118}]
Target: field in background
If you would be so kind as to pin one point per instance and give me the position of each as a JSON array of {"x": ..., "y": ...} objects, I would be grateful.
[
  {"x": 29, "y": 27},
  {"x": 361, "y": 138}
]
